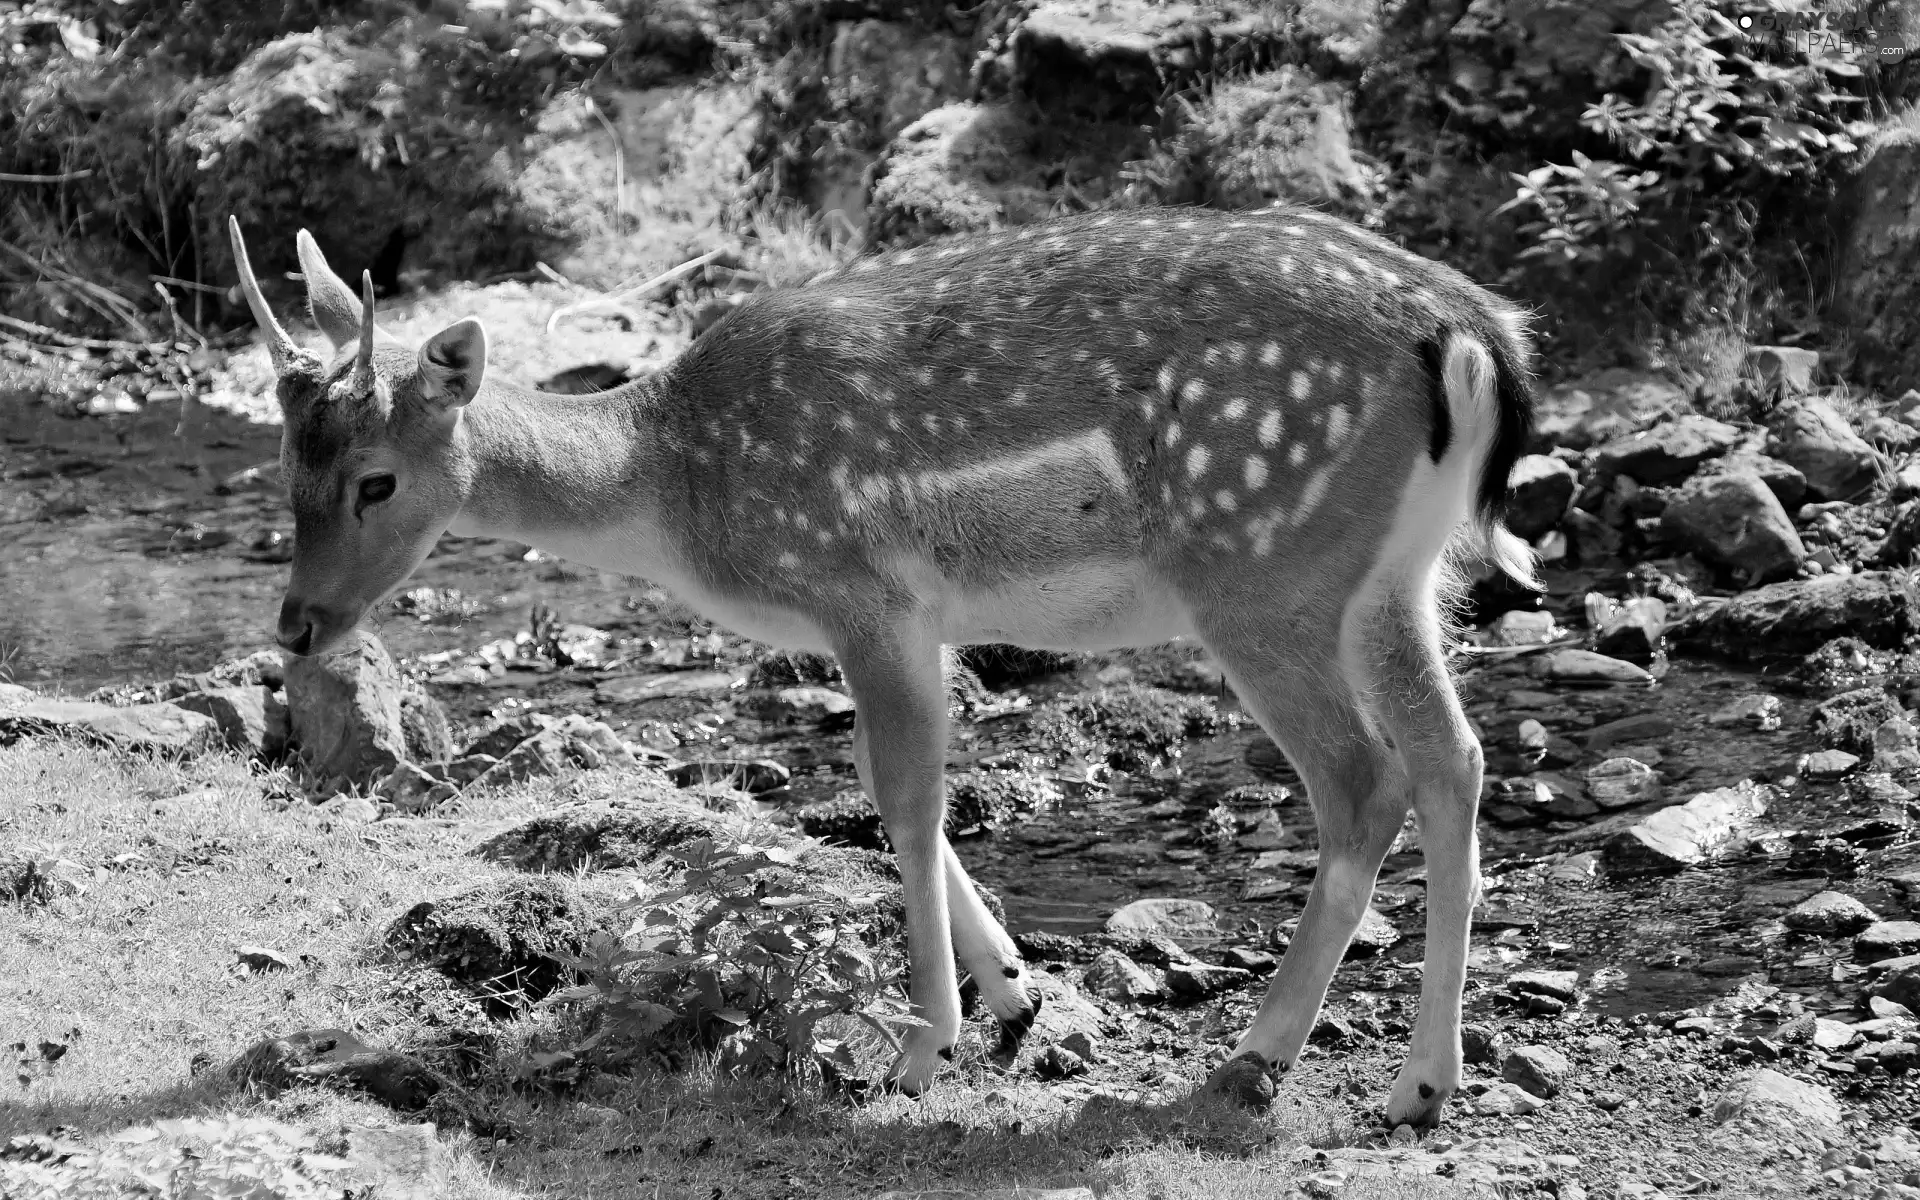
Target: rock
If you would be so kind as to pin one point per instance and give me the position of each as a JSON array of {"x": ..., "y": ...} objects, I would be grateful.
[
  {"x": 1903, "y": 986},
  {"x": 1197, "y": 981},
  {"x": 411, "y": 790},
  {"x": 800, "y": 706},
  {"x": 1622, "y": 783},
  {"x": 1505, "y": 1099},
  {"x": 1636, "y": 730},
  {"x": 882, "y": 66},
  {"x": 1827, "y": 765},
  {"x": 1601, "y": 407},
  {"x": 1756, "y": 711},
  {"x": 1023, "y": 1193},
  {"x": 336, "y": 1058},
  {"x": 505, "y": 938},
  {"x": 348, "y": 810},
  {"x": 159, "y": 728},
  {"x": 652, "y": 818},
  {"x": 757, "y": 775},
  {"x": 1554, "y": 985},
  {"x": 1274, "y": 136},
  {"x": 1483, "y": 1045},
  {"x": 465, "y": 769},
  {"x": 961, "y": 168},
  {"x": 262, "y": 668},
  {"x": 1788, "y": 486},
  {"x": 1114, "y": 976},
  {"x": 1829, "y": 913},
  {"x": 1691, "y": 833},
  {"x": 1113, "y": 57},
  {"x": 1778, "y": 1104},
  {"x": 345, "y": 711},
  {"x": 397, "y": 1161},
  {"x": 251, "y": 718},
  {"x": 1541, "y": 1070},
  {"x": 423, "y": 725},
  {"x": 573, "y": 741},
  {"x": 1832, "y": 1035},
  {"x": 1799, "y": 616},
  {"x": 1786, "y": 369},
  {"x": 1520, "y": 628},
  {"x": 1896, "y": 745},
  {"x": 1735, "y": 521},
  {"x": 1058, "y": 1062},
  {"x": 1258, "y": 962},
  {"x": 1584, "y": 666},
  {"x": 260, "y": 959},
  {"x": 1374, "y": 935},
  {"x": 1902, "y": 542},
  {"x": 1632, "y": 629},
  {"x": 1887, "y": 939},
  {"x": 1539, "y": 491},
  {"x": 1877, "y": 281},
  {"x": 498, "y": 739},
  {"x": 701, "y": 685},
  {"x": 1818, "y": 442},
  {"x": 1185, "y": 921},
  {"x": 1668, "y": 452},
  {"x": 1849, "y": 721}
]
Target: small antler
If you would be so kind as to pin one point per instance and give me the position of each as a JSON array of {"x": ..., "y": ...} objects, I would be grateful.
[
  {"x": 280, "y": 346},
  {"x": 363, "y": 364}
]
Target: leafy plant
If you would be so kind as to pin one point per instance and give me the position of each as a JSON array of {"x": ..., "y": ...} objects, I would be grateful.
[
  {"x": 1582, "y": 213},
  {"x": 749, "y": 952}
]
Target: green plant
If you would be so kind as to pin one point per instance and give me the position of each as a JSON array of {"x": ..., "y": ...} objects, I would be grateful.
[
  {"x": 748, "y": 952},
  {"x": 1582, "y": 213}
]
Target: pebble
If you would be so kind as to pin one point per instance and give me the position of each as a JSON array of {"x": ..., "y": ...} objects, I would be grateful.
[
  {"x": 1584, "y": 666},
  {"x": 1622, "y": 783},
  {"x": 1505, "y": 1099},
  {"x": 1758, "y": 711},
  {"x": 1828, "y": 764},
  {"x": 1541, "y": 1070}
]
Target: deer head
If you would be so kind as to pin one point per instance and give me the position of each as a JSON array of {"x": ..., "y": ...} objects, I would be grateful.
[{"x": 373, "y": 454}]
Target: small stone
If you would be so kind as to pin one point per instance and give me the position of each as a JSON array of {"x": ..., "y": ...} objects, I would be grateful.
[
  {"x": 1832, "y": 1035},
  {"x": 1083, "y": 1044},
  {"x": 412, "y": 790},
  {"x": 1483, "y": 1045},
  {"x": 1782, "y": 1102},
  {"x": 1519, "y": 628},
  {"x": 1196, "y": 981},
  {"x": 1058, "y": 1062},
  {"x": 1246, "y": 1080},
  {"x": 1623, "y": 783},
  {"x": 1182, "y": 920},
  {"x": 1584, "y": 666},
  {"x": 349, "y": 810},
  {"x": 1608, "y": 1101},
  {"x": 1257, "y": 961},
  {"x": 1756, "y": 710},
  {"x": 1503, "y": 1099},
  {"x": 1375, "y": 934},
  {"x": 1829, "y": 913},
  {"x": 1114, "y": 976},
  {"x": 1827, "y": 765},
  {"x": 1539, "y": 1069},
  {"x": 1896, "y": 745}
]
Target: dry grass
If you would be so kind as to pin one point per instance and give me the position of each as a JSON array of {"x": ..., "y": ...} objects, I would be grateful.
[{"x": 142, "y": 964}]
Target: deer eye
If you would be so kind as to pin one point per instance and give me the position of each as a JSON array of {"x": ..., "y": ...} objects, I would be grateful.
[{"x": 373, "y": 490}]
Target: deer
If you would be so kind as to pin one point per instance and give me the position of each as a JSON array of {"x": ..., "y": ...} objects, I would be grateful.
[{"x": 1271, "y": 433}]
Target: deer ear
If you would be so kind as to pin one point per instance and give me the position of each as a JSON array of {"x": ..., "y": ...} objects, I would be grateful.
[
  {"x": 452, "y": 364},
  {"x": 336, "y": 310}
]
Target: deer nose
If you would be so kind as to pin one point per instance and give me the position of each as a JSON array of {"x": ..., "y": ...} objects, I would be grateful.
[{"x": 302, "y": 623}]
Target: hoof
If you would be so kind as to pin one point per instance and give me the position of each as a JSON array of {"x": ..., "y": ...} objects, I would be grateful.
[
  {"x": 1014, "y": 1029},
  {"x": 1420, "y": 1108},
  {"x": 1246, "y": 1080}
]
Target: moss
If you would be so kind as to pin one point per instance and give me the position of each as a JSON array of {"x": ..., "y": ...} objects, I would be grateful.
[
  {"x": 1131, "y": 728},
  {"x": 598, "y": 839},
  {"x": 1847, "y": 721},
  {"x": 505, "y": 939}
]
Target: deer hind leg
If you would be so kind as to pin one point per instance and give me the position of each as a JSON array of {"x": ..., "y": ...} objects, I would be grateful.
[
  {"x": 1297, "y": 677},
  {"x": 899, "y": 746},
  {"x": 1415, "y": 698},
  {"x": 988, "y": 954}
]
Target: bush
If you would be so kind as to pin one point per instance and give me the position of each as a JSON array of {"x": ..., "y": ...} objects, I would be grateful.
[{"x": 748, "y": 952}]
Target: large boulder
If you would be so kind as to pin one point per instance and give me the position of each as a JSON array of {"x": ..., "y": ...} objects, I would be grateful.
[
  {"x": 1114, "y": 59},
  {"x": 1686, "y": 835},
  {"x": 1877, "y": 287},
  {"x": 346, "y": 711},
  {"x": 1735, "y": 521},
  {"x": 1800, "y": 616}
]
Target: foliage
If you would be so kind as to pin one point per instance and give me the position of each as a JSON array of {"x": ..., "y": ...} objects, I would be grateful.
[
  {"x": 747, "y": 952},
  {"x": 226, "y": 1158}
]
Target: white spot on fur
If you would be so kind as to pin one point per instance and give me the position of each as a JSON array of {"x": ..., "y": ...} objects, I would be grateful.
[
  {"x": 1224, "y": 501},
  {"x": 1194, "y": 391},
  {"x": 1270, "y": 354},
  {"x": 1337, "y": 424},
  {"x": 1270, "y": 428},
  {"x": 1254, "y": 472},
  {"x": 1235, "y": 409},
  {"x": 1197, "y": 462},
  {"x": 1301, "y": 385}
]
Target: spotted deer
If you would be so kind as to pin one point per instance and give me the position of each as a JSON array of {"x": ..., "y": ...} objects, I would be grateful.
[{"x": 1268, "y": 432}]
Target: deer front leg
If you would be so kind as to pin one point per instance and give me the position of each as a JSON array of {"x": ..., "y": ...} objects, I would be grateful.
[{"x": 899, "y": 747}]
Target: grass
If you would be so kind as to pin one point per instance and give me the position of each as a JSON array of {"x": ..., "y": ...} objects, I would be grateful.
[{"x": 137, "y": 976}]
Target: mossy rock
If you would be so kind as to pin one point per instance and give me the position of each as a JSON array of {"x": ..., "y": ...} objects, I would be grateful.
[
  {"x": 1847, "y": 721},
  {"x": 1130, "y": 727},
  {"x": 599, "y": 839},
  {"x": 999, "y": 666},
  {"x": 504, "y": 939}
]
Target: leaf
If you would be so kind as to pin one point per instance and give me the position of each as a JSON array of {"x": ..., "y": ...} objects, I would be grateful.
[{"x": 731, "y": 1016}]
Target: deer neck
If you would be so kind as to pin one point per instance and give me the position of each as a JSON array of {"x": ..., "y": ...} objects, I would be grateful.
[{"x": 553, "y": 471}]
